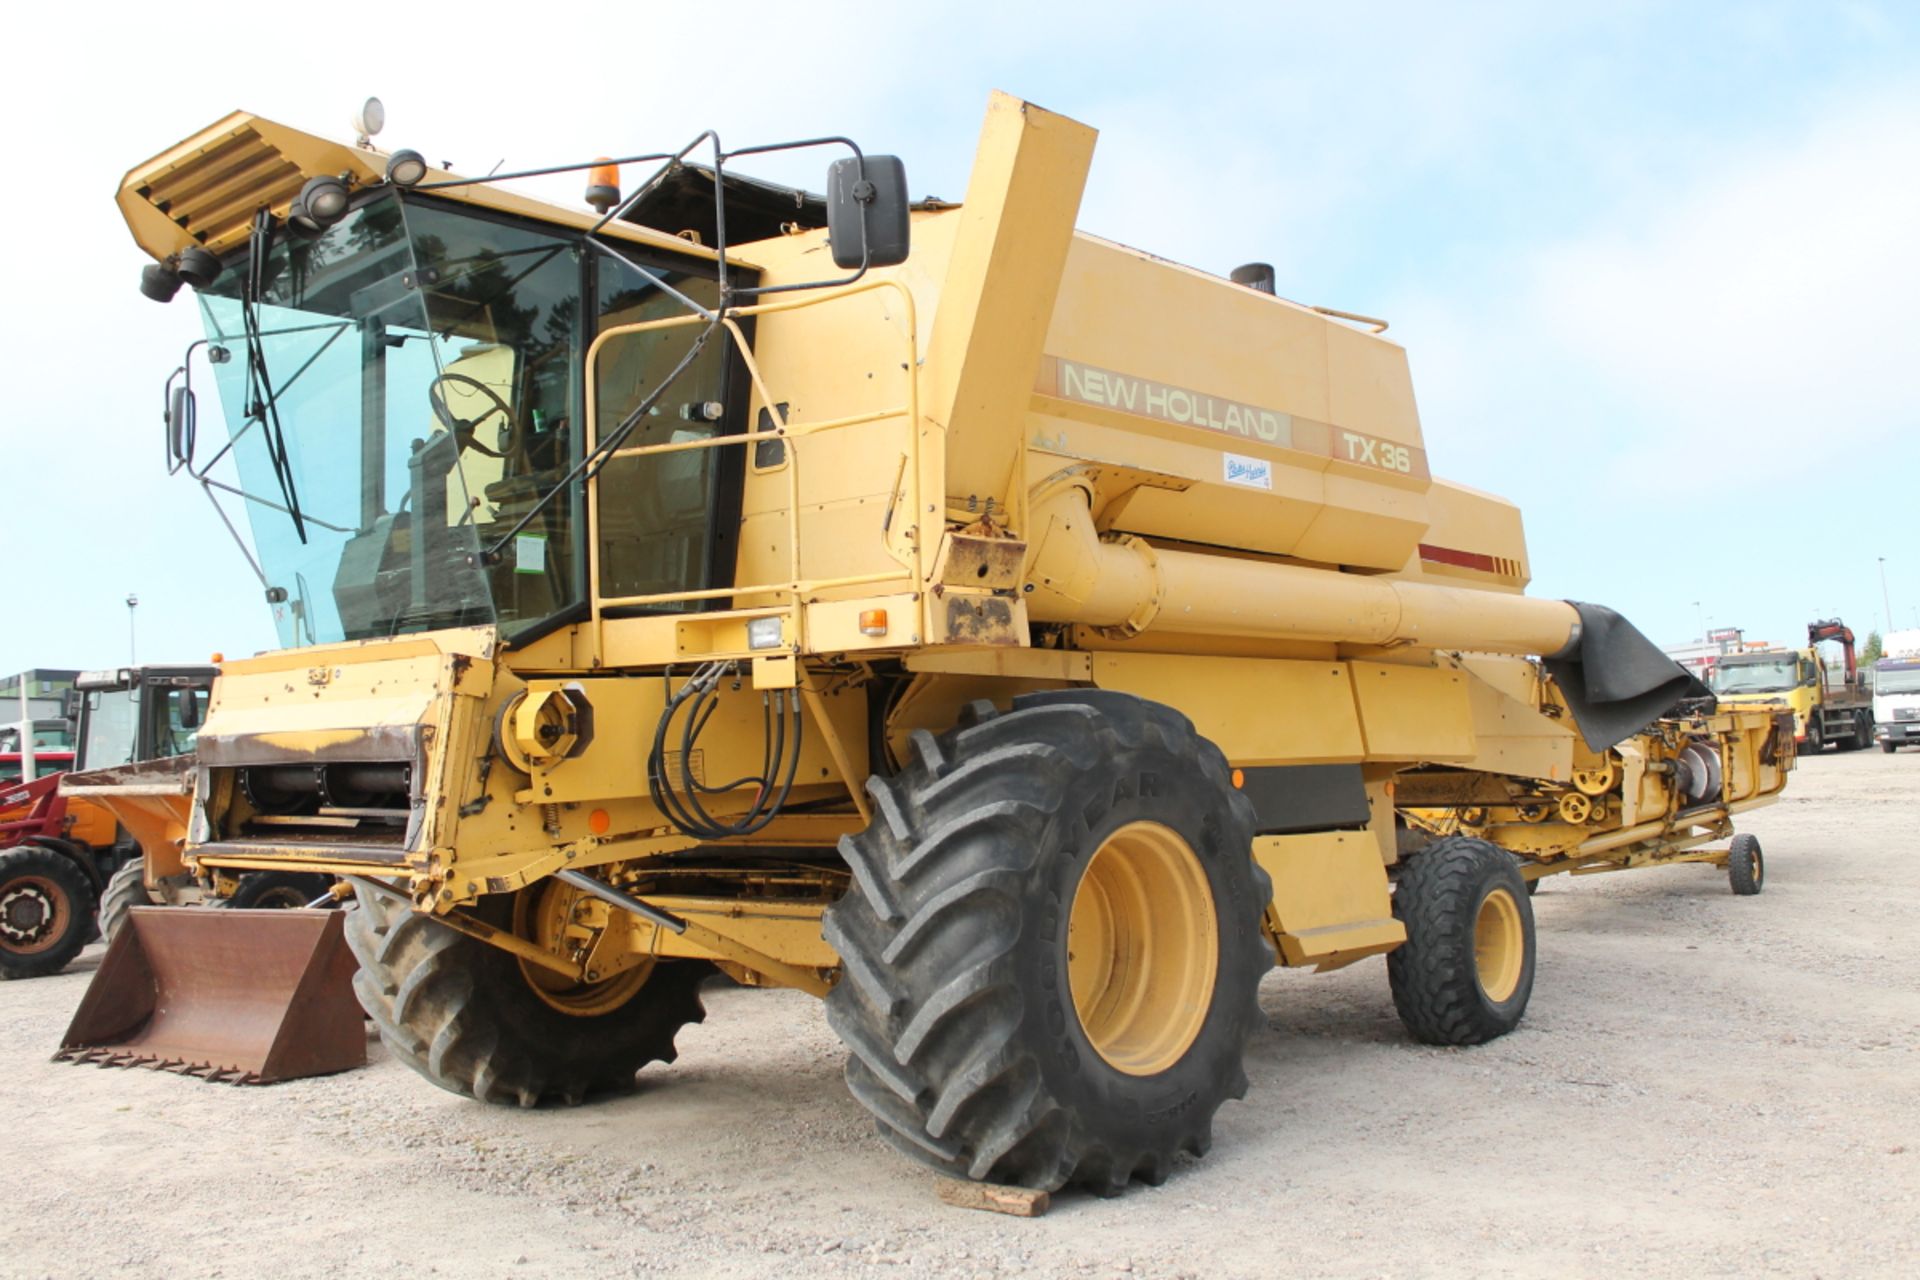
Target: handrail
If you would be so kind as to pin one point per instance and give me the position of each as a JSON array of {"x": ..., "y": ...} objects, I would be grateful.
[{"x": 794, "y": 588}]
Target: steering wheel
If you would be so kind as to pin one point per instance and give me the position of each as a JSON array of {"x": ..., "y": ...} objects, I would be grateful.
[{"x": 463, "y": 430}]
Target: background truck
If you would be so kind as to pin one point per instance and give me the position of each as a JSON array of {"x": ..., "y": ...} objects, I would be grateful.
[
  {"x": 73, "y": 850},
  {"x": 1831, "y": 702},
  {"x": 1896, "y": 691},
  {"x": 1018, "y": 640}
]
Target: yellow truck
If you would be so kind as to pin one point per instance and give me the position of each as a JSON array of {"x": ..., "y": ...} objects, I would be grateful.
[
  {"x": 1019, "y": 640},
  {"x": 1831, "y": 704}
]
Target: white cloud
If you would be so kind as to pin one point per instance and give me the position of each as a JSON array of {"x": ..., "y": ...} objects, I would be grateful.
[
  {"x": 1767, "y": 302},
  {"x": 1758, "y": 296},
  {"x": 1773, "y": 305},
  {"x": 1713, "y": 388}
]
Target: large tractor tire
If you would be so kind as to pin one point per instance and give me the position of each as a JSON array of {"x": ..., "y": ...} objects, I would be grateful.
[
  {"x": 477, "y": 1021},
  {"x": 1052, "y": 944},
  {"x": 46, "y": 911},
  {"x": 125, "y": 890},
  {"x": 1465, "y": 972}
]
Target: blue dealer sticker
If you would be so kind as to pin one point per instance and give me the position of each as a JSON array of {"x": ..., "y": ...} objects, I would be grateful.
[{"x": 1251, "y": 473}]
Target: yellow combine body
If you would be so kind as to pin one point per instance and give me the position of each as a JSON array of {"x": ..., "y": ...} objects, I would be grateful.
[{"x": 1022, "y": 641}]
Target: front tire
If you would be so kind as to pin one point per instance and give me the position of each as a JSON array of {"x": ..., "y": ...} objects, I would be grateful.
[
  {"x": 466, "y": 1015},
  {"x": 1465, "y": 973},
  {"x": 126, "y": 890},
  {"x": 46, "y": 912},
  {"x": 1052, "y": 944}
]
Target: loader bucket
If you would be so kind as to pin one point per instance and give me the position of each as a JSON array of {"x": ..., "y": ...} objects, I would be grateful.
[
  {"x": 247, "y": 997},
  {"x": 152, "y": 800}
]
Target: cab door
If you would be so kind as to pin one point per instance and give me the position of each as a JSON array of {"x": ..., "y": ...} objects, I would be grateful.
[{"x": 666, "y": 524}]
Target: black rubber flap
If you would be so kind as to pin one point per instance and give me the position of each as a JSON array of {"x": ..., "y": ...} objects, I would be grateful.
[{"x": 1616, "y": 681}]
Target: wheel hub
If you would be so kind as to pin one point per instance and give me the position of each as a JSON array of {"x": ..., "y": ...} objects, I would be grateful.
[
  {"x": 1142, "y": 948},
  {"x": 30, "y": 915},
  {"x": 545, "y": 914},
  {"x": 1499, "y": 945}
]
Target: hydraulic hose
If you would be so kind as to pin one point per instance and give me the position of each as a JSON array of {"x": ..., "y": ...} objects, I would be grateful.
[{"x": 678, "y": 797}]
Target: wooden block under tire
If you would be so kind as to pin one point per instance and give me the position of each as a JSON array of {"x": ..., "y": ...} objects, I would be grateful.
[{"x": 1020, "y": 1202}]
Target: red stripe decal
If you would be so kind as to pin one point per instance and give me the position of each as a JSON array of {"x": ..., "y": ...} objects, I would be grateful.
[{"x": 1460, "y": 559}]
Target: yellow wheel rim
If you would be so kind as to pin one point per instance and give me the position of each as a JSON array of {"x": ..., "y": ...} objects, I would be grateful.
[
  {"x": 542, "y": 914},
  {"x": 1499, "y": 946},
  {"x": 1142, "y": 949}
]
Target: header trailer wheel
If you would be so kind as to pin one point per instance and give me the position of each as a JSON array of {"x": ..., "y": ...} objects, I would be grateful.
[{"x": 1465, "y": 973}]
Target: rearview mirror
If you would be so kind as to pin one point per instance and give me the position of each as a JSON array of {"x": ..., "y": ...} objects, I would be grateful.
[
  {"x": 189, "y": 708},
  {"x": 181, "y": 413},
  {"x": 867, "y": 208}
]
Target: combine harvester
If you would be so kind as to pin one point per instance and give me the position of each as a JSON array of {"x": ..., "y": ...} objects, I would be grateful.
[{"x": 1018, "y": 640}]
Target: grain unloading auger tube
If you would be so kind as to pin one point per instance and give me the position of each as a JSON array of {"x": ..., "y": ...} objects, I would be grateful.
[{"x": 1021, "y": 640}]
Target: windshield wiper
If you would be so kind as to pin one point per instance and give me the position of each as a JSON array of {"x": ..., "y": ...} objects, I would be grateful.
[{"x": 263, "y": 408}]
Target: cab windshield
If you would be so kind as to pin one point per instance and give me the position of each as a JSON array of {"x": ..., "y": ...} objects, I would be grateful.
[
  {"x": 421, "y": 360},
  {"x": 112, "y": 716},
  {"x": 1773, "y": 676},
  {"x": 1901, "y": 679}
]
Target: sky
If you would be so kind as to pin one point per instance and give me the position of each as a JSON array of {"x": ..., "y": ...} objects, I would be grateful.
[{"x": 1657, "y": 267}]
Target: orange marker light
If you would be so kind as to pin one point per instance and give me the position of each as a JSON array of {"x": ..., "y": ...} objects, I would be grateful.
[
  {"x": 217, "y": 657},
  {"x": 873, "y": 622},
  {"x": 603, "y": 185},
  {"x": 1239, "y": 779},
  {"x": 598, "y": 822}
]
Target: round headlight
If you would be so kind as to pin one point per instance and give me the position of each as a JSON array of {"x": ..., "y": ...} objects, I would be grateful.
[
  {"x": 159, "y": 282},
  {"x": 405, "y": 168},
  {"x": 198, "y": 267},
  {"x": 321, "y": 203}
]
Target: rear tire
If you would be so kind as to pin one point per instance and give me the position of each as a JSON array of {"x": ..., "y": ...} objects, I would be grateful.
[
  {"x": 276, "y": 890},
  {"x": 1746, "y": 866},
  {"x": 1813, "y": 743},
  {"x": 1000, "y": 1020},
  {"x": 46, "y": 912},
  {"x": 463, "y": 1014},
  {"x": 1889, "y": 746},
  {"x": 1465, "y": 973},
  {"x": 125, "y": 891}
]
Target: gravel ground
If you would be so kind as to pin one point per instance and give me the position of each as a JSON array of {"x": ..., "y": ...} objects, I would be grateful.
[{"x": 1704, "y": 1085}]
